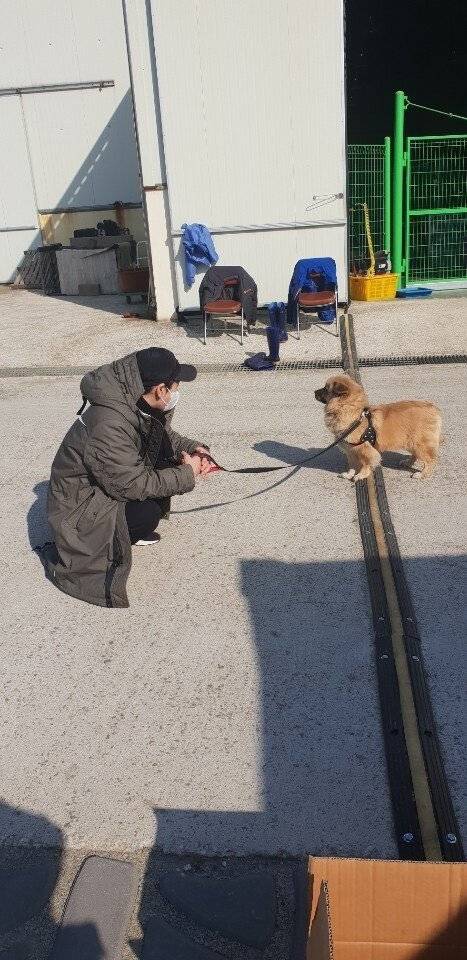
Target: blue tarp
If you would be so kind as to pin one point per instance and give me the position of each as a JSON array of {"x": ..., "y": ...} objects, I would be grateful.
[
  {"x": 198, "y": 248},
  {"x": 301, "y": 280}
]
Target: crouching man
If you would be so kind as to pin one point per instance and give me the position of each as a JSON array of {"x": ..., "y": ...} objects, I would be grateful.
[{"x": 115, "y": 472}]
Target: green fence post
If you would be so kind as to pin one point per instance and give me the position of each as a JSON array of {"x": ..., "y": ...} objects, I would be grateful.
[
  {"x": 387, "y": 194},
  {"x": 397, "y": 183}
]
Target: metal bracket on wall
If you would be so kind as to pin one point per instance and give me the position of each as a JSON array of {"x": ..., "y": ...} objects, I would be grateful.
[
  {"x": 266, "y": 227},
  {"x": 87, "y": 209},
  {"x": 16, "y": 229},
  {"x": 56, "y": 87}
]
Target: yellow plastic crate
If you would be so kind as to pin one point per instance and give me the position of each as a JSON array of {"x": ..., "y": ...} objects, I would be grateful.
[{"x": 382, "y": 287}]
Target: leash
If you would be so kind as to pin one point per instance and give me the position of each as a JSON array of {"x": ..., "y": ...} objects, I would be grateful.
[
  {"x": 300, "y": 463},
  {"x": 292, "y": 468},
  {"x": 247, "y": 496},
  {"x": 369, "y": 436}
]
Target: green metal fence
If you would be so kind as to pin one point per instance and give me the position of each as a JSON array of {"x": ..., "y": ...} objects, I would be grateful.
[
  {"x": 436, "y": 210},
  {"x": 368, "y": 177}
]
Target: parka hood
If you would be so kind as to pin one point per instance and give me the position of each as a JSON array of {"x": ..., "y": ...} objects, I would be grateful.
[{"x": 115, "y": 385}]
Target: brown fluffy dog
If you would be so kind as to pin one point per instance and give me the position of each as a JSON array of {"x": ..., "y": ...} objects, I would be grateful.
[{"x": 412, "y": 425}]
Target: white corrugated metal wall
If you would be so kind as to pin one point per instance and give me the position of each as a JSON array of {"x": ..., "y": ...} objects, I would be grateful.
[
  {"x": 253, "y": 119},
  {"x": 79, "y": 148}
]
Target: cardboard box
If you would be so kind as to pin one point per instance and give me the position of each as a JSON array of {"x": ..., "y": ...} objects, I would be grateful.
[{"x": 386, "y": 910}]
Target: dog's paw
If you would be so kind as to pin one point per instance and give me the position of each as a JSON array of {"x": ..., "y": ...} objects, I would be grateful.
[
  {"x": 347, "y": 475},
  {"x": 422, "y": 474}
]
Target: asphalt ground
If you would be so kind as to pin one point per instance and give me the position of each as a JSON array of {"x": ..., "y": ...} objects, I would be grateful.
[
  {"x": 237, "y": 695},
  {"x": 232, "y": 710}
]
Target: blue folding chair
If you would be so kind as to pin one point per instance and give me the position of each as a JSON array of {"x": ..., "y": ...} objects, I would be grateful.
[{"x": 313, "y": 289}]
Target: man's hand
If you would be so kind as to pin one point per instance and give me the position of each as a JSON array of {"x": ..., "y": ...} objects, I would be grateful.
[
  {"x": 206, "y": 456},
  {"x": 199, "y": 464}
]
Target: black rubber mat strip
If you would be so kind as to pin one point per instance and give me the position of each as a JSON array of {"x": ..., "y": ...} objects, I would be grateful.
[
  {"x": 284, "y": 366},
  {"x": 448, "y": 829},
  {"x": 354, "y": 361},
  {"x": 10, "y": 372},
  {"x": 405, "y": 816},
  {"x": 404, "y": 808},
  {"x": 420, "y": 360},
  {"x": 344, "y": 334}
]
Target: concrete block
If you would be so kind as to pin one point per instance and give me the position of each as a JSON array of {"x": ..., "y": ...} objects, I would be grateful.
[
  {"x": 77, "y": 267},
  {"x": 84, "y": 243},
  {"x": 239, "y": 908},
  {"x": 98, "y": 911},
  {"x": 162, "y": 942},
  {"x": 89, "y": 289},
  {"x": 111, "y": 241},
  {"x": 27, "y": 880}
]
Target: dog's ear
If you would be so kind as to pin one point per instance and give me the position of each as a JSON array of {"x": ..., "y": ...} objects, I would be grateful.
[{"x": 340, "y": 389}]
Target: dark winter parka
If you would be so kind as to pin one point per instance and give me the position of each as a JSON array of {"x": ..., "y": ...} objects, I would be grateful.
[{"x": 108, "y": 457}]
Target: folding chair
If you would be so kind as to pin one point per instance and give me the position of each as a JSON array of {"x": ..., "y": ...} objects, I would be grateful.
[
  {"x": 225, "y": 309},
  {"x": 311, "y": 302}
]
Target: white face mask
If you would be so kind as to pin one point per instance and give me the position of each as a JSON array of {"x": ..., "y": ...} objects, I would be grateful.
[{"x": 174, "y": 398}]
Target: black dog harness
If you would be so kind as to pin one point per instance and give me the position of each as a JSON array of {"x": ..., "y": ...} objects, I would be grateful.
[{"x": 368, "y": 435}]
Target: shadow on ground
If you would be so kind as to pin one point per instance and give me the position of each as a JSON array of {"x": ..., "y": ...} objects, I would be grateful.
[
  {"x": 193, "y": 324},
  {"x": 334, "y": 461},
  {"x": 320, "y": 763},
  {"x": 110, "y": 303},
  {"x": 38, "y": 528}
]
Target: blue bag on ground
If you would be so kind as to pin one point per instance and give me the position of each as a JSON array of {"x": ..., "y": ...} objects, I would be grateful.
[{"x": 259, "y": 362}]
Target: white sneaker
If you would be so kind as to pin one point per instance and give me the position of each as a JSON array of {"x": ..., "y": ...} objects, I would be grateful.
[{"x": 148, "y": 541}]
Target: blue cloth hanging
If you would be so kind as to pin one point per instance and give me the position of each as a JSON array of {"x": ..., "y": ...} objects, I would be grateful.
[
  {"x": 198, "y": 248},
  {"x": 302, "y": 280}
]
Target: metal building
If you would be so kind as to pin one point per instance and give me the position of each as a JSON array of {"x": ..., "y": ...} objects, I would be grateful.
[
  {"x": 240, "y": 119},
  {"x": 240, "y": 110},
  {"x": 68, "y": 145}
]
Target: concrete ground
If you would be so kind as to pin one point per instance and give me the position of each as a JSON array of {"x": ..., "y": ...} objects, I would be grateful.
[
  {"x": 233, "y": 708},
  {"x": 205, "y": 715},
  {"x": 430, "y": 326},
  {"x": 38, "y": 331}
]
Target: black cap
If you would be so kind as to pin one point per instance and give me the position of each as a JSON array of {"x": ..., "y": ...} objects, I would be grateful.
[{"x": 157, "y": 365}]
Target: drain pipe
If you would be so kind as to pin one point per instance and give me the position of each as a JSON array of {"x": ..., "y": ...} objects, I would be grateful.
[{"x": 397, "y": 184}]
